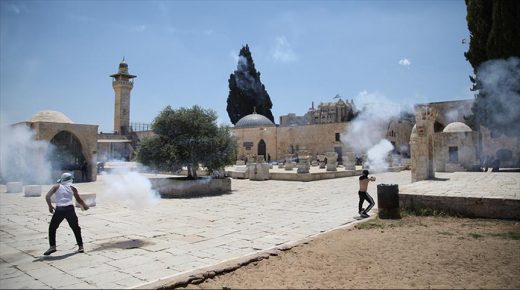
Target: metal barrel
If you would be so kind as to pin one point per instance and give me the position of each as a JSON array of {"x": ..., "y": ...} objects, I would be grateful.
[{"x": 388, "y": 201}]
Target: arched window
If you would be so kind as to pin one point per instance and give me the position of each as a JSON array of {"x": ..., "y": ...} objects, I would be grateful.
[{"x": 262, "y": 149}]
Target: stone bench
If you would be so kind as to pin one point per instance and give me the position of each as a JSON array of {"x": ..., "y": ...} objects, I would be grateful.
[
  {"x": 14, "y": 187},
  {"x": 33, "y": 191}
]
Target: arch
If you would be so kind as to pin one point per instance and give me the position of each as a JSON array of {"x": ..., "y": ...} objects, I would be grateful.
[
  {"x": 67, "y": 153},
  {"x": 262, "y": 149},
  {"x": 438, "y": 126}
]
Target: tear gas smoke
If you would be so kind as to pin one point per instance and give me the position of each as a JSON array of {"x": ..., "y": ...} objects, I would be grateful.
[
  {"x": 367, "y": 132},
  {"x": 22, "y": 158},
  {"x": 500, "y": 80},
  {"x": 128, "y": 187}
]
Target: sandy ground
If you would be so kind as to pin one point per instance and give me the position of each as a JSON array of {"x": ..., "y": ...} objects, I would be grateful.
[{"x": 414, "y": 252}]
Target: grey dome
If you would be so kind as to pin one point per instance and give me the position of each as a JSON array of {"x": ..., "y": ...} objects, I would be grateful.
[
  {"x": 456, "y": 127},
  {"x": 254, "y": 120},
  {"x": 51, "y": 117}
]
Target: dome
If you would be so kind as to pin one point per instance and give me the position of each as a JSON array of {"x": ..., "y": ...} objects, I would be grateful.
[
  {"x": 456, "y": 127},
  {"x": 254, "y": 120},
  {"x": 51, "y": 117}
]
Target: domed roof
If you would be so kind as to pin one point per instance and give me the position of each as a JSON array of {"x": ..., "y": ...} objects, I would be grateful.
[
  {"x": 254, "y": 120},
  {"x": 51, "y": 117},
  {"x": 456, "y": 127}
]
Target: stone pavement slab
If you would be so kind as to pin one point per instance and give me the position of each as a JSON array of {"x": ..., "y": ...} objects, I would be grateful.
[{"x": 127, "y": 246}]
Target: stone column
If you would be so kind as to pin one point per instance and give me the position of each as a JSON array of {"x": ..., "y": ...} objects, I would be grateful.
[
  {"x": 332, "y": 161},
  {"x": 421, "y": 144},
  {"x": 289, "y": 163},
  {"x": 321, "y": 160},
  {"x": 303, "y": 164},
  {"x": 349, "y": 160}
]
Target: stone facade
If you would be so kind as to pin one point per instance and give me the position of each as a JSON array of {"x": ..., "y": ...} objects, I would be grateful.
[
  {"x": 86, "y": 136},
  {"x": 329, "y": 112},
  {"x": 422, "y": 144}
]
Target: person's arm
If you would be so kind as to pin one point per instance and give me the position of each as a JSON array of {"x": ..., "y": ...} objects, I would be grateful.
[
  {"x": 48, "y": 197},
  {"x": 372, "y": 178},
  {"x": 84, "y": 206}
]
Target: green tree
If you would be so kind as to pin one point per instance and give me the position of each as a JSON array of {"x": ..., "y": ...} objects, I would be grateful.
[
  {"x": 188, "y": 137},
  {"x": 494, "y": 27},
  {"x": 246, "y": 91}
]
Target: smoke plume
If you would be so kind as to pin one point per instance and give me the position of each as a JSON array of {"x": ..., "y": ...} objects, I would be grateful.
[
  {"x": 500, "y": 81},
  {"x": 22, "y": 158},
  {"x": 123, "y": 185},
  {"x": 367, "y": 132}
]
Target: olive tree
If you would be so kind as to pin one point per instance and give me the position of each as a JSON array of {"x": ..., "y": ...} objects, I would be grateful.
[{"x": 188, "y": 137}]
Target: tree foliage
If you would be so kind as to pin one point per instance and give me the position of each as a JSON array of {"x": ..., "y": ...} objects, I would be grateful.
[
  {"x": 188, "y": 137},
  {"x": 246, "y": 91},
  {"x": 495, "y": 47}
]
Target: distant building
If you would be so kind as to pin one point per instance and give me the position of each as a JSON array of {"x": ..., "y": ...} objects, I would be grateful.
[{"x": 325, "y": 113}]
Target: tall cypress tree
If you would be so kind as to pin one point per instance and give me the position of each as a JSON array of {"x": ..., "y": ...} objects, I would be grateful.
[
  {"x": 494, "y": 51},
  {"x": 246, "y": 91}
]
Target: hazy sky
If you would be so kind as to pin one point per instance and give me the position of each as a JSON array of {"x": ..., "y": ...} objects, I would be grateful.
[{"x": 58, "y": 55}]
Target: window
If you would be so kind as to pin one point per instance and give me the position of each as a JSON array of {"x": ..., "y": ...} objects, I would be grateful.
[
  {"x": 454, "y": 154},
  {"x": 337, "y": 137}
]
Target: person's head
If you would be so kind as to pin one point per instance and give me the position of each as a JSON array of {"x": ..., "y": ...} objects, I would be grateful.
[
  {"x": 66, "y": 178},
  {"x": 365, "y": 172}
]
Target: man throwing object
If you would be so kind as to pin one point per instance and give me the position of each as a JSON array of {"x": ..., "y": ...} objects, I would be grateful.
[{"x": 363, "y": 194}]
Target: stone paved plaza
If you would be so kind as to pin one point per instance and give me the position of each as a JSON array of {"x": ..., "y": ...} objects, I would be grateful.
[{"x": 129, "y": 246}]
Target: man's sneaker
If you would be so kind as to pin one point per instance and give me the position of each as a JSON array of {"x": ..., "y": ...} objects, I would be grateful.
[
  {"x": 50, "y": 251},
  {"x": 81, "y": 250},
  {"x": 364, "y": 215},
  {"x": 362, "y": 211}
]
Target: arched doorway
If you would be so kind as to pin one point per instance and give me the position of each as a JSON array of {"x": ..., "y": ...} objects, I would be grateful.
[
  {"x": 67, "y": 153},
  {"x": 262, "y": 149}
]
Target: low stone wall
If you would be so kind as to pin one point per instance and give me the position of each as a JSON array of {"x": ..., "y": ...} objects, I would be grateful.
[
  {"x": 173, "y": 187},
  {"x": 291, "y": 176},
  {"x": 499, "y": 208}
]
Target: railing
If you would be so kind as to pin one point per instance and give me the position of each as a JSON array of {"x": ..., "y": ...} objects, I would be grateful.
[{"x": 140, "y": 127}]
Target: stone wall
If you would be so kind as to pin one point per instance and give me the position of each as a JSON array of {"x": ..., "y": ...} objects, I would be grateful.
[
  {"x": 466, "y": 206},
  {"x": 86, "y": 134}
]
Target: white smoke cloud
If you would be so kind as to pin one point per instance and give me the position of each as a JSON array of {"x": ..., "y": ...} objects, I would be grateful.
[
  {"x": 366, "y": 133},
  {"x": 123, "y": 185},
  {"x": 282, "y": 50},
  {"x": 500, "y": 78},
  {"x": 22, "y": 158},
  {"x": 452, "y": 115},
  {"x": 405, "y": 62}
]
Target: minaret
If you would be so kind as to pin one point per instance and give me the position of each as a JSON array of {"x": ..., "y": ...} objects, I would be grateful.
[{"x": 122, "y": 83}]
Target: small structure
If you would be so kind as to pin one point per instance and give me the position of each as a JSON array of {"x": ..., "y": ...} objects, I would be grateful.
[
  {"x": 33, "y": 191},
  {"x": 14, "y": 187},
  {"x": 456, "y": 148},
  {"x": 258, "y": 169},
  {"x": 332, "y": 161}
]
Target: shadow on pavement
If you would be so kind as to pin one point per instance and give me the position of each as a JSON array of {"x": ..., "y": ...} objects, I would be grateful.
[
  {"x": 127, "y": 244},
  {"x": 54, "y": 257}
]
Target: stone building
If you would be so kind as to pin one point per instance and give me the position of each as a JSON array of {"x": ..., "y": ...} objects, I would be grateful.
[
  {"x": 74, "y": 143},
  {"x": 456, "y": 146},
  {"x": 329, "y": 112},
  {"x": 257, "y": 135}
]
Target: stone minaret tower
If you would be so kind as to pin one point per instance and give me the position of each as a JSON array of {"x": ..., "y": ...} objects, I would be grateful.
[
  {"x": 122, "y": 83},
  {"x": 421, "y": 144}
]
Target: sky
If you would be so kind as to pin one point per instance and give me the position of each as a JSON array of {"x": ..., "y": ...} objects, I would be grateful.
[{"x": 58, "y": 55}]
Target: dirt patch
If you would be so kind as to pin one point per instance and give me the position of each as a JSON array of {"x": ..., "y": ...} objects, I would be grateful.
[{"x": 414, "y": 252}]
